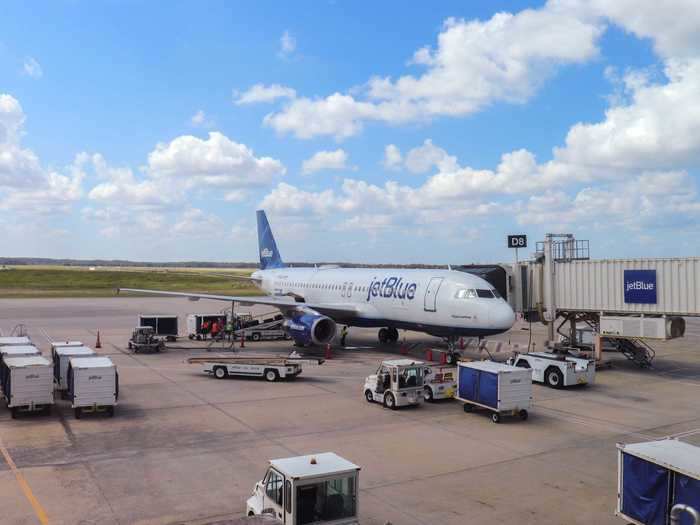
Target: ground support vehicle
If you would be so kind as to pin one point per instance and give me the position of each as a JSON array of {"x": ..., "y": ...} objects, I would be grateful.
[
  {"x": 656, "y": 477},
  {"x": 270, "y": 367},
  {"x": 28, "y": 384},
  {"x": 267, "y": 330},
  {"x": 440, "y": 382},
  {"x": 61, "y": 359},
  {"x": 143, "y": 339},
  {"x": 556, "y": 369},
  {"x": 15, "y": 351},
  {"x": 15, "y": 341},
  {"x": 93, "y": 385},
  {"x": 500, "y": 388},
  {"x": 165, "y": 325},
  {"x": 303, "y": 490},
  {"x": 397, "y": 383},
  {"x": 195, "y": 324}
]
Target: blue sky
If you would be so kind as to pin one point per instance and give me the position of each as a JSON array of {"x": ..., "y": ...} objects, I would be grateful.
[{"x": 392, "y": 132}]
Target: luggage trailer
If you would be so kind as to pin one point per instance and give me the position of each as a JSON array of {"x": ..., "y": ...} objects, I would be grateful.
[
  {"x": 28, "y": 384},
  {"x": 271, "y": 368},
  {"x": 497, "y": 387}
]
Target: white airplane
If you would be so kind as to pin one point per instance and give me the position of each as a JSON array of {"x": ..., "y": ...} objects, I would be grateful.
[{"x": 443, "y": 303}]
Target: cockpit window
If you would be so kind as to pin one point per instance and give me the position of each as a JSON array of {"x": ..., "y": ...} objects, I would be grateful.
[
  {"x": 495, "y": 293},
  {"x": 484, "y": 294},
  {"x": 465, "y": 294}
]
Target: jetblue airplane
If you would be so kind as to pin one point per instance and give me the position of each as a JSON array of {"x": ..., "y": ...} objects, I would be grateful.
[{"x": 443, "y": 303}]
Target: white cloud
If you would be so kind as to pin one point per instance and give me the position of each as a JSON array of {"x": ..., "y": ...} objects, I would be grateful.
[
  {"x": 288, "y": 44},
  {"x": 262, "y": 93},
  {"x": 392, "y": 157},
  {"x": 326, "y": 160},
  {"x": 196, "y": 222},
  {"x": 201, "y": 120},
  {"x": 505, "y": 58},
  {"x": 216, "y": 161},
  {"x": 423, "y": 158},
  {"x": 32, "y": 68},
  {"x": 236, "y": 196}
]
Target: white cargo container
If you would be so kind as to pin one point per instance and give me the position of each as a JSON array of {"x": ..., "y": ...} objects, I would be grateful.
[
  {"x": 63, "y": 344},
  {"x": 15, "y": 351},
  {"x": 654, "y": 478},
  {"x": 28, "y": 384},
  {"x": 93, "y": 385},
  {"x": 61, "y": 358},
  {"x": 15, "y": 341},
  {"x": 500, "y": 388}
]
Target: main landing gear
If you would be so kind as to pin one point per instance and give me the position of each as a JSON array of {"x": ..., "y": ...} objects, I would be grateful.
[{"x": 388, "y": 335}]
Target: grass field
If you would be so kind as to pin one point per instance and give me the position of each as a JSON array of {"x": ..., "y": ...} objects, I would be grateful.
[{"x": 61, "y": 281}]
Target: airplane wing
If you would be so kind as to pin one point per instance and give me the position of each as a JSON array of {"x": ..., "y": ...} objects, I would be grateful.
[{"x": 285, "y": 304}]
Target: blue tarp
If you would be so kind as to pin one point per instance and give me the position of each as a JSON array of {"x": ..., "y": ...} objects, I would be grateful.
[
  {"x": 644, "y": 490},
  {"x": 686, "y": 490},
  {"x": 468, "y": 381},
  {"x": 488, "y": 389}
]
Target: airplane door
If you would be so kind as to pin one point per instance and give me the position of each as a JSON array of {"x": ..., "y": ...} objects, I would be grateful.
[{"x": 431, "y": 294}]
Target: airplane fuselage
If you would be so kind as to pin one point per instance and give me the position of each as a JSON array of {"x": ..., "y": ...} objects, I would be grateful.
[{"x": 445, "y": 303}]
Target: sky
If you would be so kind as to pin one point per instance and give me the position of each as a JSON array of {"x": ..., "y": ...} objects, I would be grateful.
[{"x": 405, "y": 132}]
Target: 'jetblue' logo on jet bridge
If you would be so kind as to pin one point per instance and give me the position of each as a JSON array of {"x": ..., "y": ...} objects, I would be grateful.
[
  {"x": 391, "y": 287},
  {"x": 640, "y": 286},
  {"x": 266, "y": 252}
]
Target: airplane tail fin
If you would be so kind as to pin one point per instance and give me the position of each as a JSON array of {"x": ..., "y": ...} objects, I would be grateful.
[{"x": 269, "y": 254}]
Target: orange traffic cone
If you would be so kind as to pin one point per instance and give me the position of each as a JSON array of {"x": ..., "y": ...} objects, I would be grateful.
[
  {"x": 443, "y": 358},
  {"x": 329, "y": 354},
  {"x": 98, "y": 344},
  {"x": 428, "y": 355}
]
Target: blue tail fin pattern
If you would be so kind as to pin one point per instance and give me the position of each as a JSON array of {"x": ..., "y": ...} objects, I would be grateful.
[{"x": 269, "y": 254}]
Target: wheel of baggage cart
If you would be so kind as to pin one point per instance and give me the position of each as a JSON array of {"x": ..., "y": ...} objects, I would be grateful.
[
  {"x": 496, "y": 417},
  {"x": 468, "y": 407},
  {"x": 191, "y": 336},
  {"x": 271, "y": 375},
  {"x": 523, "y": 414},
  {"x": 78, "y": 412},
  {"x": 553, "y": 377},
  {"x": 255, "y": 336},
  {"x": 390, "y": 401},
  {"x": 428, "y": 394},
  {"x": 130, "y": 345},
  {"x": 13, "y": 412},
  {"x": 47, "y": 410},
  {"x": 110, "y": 411},
  {"x": 220, "y": 372},
  {"x": 368, "y": 396}
]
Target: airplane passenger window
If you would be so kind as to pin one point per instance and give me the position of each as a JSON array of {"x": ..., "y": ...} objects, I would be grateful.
[{"x": 484, "y": 294}]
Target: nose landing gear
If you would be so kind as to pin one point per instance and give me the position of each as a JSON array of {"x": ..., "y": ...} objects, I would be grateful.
[{"x": 388, "y": 335}]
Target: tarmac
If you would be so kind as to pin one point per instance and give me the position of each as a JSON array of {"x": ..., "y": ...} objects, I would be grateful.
[{"x": 184, "y": 447}]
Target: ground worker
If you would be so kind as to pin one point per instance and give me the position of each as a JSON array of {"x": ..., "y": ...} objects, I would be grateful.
[
  {"x": 343, "y": 335},
  {"x": 214, "y": 329},
  {"x": 205, "y": 329},
  {"x": 229, "y": 329}
]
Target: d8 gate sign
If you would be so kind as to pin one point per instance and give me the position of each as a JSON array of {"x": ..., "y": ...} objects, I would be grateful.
[{"x": 517, "y": 241}]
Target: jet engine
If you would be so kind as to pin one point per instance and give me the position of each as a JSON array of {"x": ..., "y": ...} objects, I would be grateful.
[{"x": 310, "y": 328}]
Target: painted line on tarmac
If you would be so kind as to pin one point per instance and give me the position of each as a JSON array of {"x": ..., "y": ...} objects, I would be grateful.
[{"x": 38, "y": 509}]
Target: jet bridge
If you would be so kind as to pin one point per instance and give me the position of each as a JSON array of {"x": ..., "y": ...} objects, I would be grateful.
[{"x": 629, "y": 301}]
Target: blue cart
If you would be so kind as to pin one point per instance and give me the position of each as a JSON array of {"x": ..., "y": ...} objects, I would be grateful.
[
  {"x": 500, "y": 388},
  {"x": 655, "y": 477}
]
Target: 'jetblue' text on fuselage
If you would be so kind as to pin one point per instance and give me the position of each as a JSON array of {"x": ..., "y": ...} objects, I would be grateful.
[{"x": 391, "y": 287}]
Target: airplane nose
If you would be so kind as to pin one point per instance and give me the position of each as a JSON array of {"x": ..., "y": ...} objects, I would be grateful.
[{"x": 502, "y": 316}]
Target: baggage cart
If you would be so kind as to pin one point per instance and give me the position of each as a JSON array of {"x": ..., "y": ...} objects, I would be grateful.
[
  {"x": 15, "y": 341},
  {"x": 61, "y": 359},
  {"x": 28, "y": 384},
  {"x": 165, "y": 325},
  {"x": 502, "y": 389},
  {"x": 93, "y": 385},
  {"x": 15, "y": 351},
  {"x": 271, "y": 368},
  {"x": 656, "y": 476}
]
